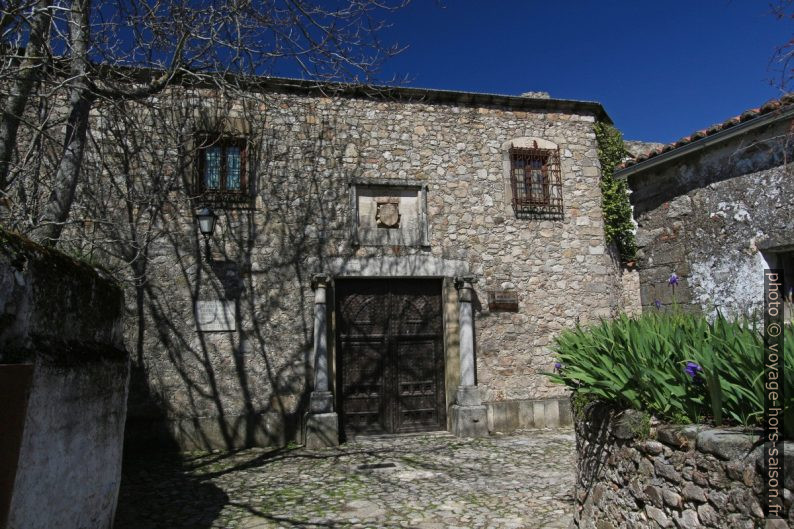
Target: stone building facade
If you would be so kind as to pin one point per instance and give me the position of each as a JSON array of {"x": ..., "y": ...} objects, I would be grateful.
[
  {"x": 372, "y": 255},
  {"x": 715, "y": 208}
]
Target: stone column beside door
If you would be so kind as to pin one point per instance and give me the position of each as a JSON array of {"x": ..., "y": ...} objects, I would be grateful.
[
  {"x": 469, "y": 416},
  {"x": 322, "y": 422}
]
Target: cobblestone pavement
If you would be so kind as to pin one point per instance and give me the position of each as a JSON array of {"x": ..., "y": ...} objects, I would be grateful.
[{"x": 432, "y": 481}]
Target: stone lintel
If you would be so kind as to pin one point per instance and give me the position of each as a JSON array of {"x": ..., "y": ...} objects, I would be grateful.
[{"x": 393, "y": 266}]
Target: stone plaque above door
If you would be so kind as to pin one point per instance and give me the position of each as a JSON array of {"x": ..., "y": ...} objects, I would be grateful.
[{"x": 389, "y": 213}]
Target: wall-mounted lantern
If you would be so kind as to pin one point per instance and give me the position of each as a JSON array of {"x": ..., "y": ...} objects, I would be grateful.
[{"x": 206, "y": 220}]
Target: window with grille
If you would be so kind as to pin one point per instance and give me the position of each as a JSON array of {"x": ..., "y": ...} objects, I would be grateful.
[
  {"x": 222, "y": 168},
  {"x": 536, "y": 182}
]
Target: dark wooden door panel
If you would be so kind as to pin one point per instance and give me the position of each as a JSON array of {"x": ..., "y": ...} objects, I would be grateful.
[
  {"x": 390, "y": 355},
  {"x": 363, "y": 388},
  {"x": 362, "y": 309},
  {"x": 418, "y": 382}
]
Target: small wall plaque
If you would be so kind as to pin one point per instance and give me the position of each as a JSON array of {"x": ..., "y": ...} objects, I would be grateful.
[
  {"x": 503, "y": 301},
  {"x": 215, "y": 315}
]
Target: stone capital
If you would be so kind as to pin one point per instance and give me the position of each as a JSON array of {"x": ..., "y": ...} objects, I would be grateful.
[
  {"x": 320, "y": 281},
  {"x": 462, "y": 282}
]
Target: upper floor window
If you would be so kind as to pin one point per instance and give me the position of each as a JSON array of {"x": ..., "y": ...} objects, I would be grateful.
[
  {"x": 535, "y": 181},
  {"x": 222, "y": 167}
]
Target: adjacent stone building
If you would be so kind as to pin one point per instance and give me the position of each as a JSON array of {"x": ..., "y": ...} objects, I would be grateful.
[{"x": 715, "y": 208}]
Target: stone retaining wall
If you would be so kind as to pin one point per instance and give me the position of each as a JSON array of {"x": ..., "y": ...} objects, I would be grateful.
[{"x": 674, "y": 476}]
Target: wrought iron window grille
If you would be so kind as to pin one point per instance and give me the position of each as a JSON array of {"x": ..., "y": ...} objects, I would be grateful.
[
  {"x": 536, "y": 183},
  {"x": 222, "y": 170}
]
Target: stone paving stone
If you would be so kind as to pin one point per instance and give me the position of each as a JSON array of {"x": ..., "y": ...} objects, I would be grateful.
[{"x": 522, "y": 480}]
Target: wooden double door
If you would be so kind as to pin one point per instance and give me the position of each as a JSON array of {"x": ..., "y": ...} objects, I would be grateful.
[{"x": 390, "y": 356}]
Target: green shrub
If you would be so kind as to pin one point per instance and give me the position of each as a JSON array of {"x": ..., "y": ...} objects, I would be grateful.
[
  {"x": 618, "y": 225},
  {"x": 679, "y": 367}
]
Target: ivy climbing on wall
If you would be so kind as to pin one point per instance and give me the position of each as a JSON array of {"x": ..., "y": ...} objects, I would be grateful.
[{"x": 618, "y": 225}]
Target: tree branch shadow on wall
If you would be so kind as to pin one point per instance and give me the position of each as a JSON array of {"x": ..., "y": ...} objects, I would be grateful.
[
  {"x": 198, "y": 390},
  {"x": 135, "y": 214},
  {"x": 248, "y": 386}
]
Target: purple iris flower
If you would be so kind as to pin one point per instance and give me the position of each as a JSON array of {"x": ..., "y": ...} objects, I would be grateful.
[
  {"x": 673, "y": 279},
  {"x": 657, "y": 303},
  {"x": 693, "y": 370},
  {"x": 557, "y": 367}
]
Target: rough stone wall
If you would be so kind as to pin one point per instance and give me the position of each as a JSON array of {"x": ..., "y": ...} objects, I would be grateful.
[
  {"x": 710, "y": 217},
  {"x": 64, "y": 318},
  {"x": 250, "y": 385},
  {"x": 627, "y": 278},
  {"x": 630, "y": 293},
  {"x": 681, "y": 476}
]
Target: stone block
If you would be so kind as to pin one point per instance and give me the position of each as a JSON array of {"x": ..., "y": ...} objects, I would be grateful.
[
  {"x": 566, "y": 415},
  {"x": 469, "y": 421},
  {"x": 654, "y": 495},
  {"x": 503, "y": 416},
  {"x": 321, "y": 402},
  {"x": 551, "y": 412},
  {"x": 629, "y": 424},
  {"x": 726, "y": 445},
  {"x": 539, "y": 414},
  {"x": 322, "y": 430},
  {"x": 650, "y": 447},
  {"x": 672, "y": 499},
  {"x": 526, "y": 414},
  {"x": 687, "y": 520},
  {"x": 666, "y": 471},
  {"x": 678, "y": 436},
  {"x": 694, "y": 493},
  {"x": 658, "y": 516},
  {"x": 468, "y": 396},
  {"x": 708, "y": 515}
]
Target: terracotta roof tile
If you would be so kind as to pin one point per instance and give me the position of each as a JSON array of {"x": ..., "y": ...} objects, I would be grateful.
[{"x": 769, "y": 106}]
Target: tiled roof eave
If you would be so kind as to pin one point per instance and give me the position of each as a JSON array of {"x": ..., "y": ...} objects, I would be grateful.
[{"x": 707, "y": 141}]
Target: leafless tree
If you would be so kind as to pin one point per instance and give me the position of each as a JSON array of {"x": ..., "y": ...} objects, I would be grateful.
[
  {"x": 783, "y": 59},
  {"x": 100, "y": 119},
  {"x": 63, "y": 58}
]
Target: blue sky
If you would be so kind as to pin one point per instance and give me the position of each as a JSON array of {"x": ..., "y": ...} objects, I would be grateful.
[{"x": 661, "y": 69}]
